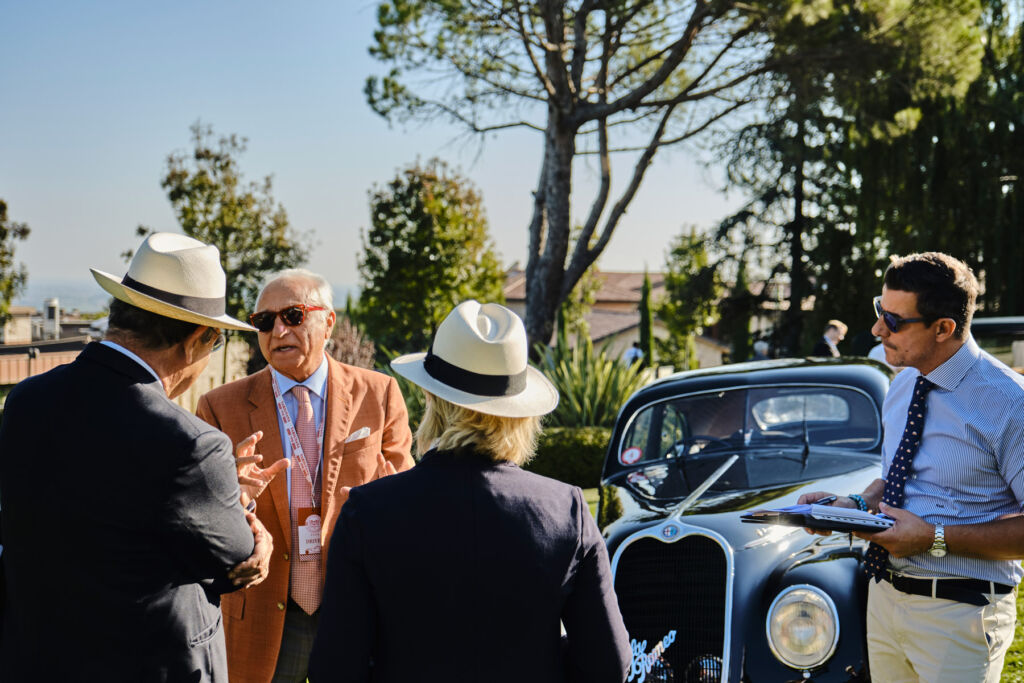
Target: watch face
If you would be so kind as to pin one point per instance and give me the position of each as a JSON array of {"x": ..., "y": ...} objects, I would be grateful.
[{"x": 938, "y": 552}]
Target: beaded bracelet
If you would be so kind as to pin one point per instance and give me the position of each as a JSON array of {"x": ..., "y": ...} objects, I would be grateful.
[{"x": 859, "y": 500}]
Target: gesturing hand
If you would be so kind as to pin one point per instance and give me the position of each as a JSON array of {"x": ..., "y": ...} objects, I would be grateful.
[{"x": 252, "y": 479}]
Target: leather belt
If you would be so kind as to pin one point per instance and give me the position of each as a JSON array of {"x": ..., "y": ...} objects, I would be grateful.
[{"x": 971, "y": 591}]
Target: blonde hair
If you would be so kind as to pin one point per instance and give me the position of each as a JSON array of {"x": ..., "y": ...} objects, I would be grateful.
[{"x": 502, "y": 439}]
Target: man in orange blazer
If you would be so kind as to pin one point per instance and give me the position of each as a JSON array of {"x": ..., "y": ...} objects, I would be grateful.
[{"x": 340, "y": 426}]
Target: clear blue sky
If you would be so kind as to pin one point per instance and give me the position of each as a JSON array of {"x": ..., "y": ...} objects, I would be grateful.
[{"x": 96, "y": 94}]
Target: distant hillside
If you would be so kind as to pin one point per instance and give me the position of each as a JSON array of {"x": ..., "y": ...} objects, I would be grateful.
[{"x": 87, "y": 297}]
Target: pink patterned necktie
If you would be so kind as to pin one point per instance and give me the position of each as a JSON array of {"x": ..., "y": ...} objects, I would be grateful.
[
  {"x": 306, "y": 581},
  {"x": 876, "y": 559}
]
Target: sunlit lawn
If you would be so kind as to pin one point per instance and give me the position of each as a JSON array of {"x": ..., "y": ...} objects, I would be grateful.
[
  {"x": 1013, "y": 670},
  {"x": 591, "y": 496}
]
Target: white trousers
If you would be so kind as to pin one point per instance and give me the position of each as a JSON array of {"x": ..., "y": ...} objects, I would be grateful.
[{"x": 915, "y": 638}]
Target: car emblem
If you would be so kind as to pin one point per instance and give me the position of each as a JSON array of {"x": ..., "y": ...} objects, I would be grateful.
[
  {"x": 670, "y": 531},
  {"x": 631, "y": 455}
]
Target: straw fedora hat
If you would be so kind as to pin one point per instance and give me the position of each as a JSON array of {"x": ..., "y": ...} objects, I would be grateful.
[
  {"x": 478, "y": 361},
  {"x": 177, "y": 277}
]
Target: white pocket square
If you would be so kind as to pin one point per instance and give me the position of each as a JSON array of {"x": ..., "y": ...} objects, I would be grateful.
[{"x": 358, "y": 434}]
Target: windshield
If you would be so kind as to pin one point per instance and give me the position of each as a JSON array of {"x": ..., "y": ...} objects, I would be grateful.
[{"x": 784, "y": 434}]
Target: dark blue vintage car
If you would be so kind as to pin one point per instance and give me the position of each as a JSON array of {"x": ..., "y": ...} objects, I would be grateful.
[{"x": 704, "y": 596}]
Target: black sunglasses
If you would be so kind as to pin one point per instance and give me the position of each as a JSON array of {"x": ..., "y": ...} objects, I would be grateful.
[
  {"x": 219, "y": 342},
  {"x": 291, "y": 316},
  {"x": 891, "y": 320}
]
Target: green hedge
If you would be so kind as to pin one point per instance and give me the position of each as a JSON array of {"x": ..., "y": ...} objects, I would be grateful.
[{"x": 572, "y": 454}]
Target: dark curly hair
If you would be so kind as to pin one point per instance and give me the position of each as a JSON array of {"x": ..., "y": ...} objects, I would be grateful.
[{"x": 945, "y": 286}]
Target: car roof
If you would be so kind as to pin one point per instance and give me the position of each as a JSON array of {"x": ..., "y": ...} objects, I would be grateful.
[
  {"x": 1012, "y": 325},
  {"x": 861, "y": 373}
]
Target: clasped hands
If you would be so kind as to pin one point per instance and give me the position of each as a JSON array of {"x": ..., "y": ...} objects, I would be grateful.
[{"x": 909, "y": 535}]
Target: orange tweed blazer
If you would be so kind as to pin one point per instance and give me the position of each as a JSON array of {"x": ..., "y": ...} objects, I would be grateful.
[{"x": 356, "y": 398}]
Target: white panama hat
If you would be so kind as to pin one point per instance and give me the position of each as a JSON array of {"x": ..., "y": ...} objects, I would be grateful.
[
  {"x": 478, "y": 360},
  {"x": 177, "y": 277}
]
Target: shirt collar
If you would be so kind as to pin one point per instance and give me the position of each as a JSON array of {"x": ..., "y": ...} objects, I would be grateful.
[
  {"x": 951, "y": 373},
  {"x": 134, "y": 357},
  {"x": 317, "y": 382}
]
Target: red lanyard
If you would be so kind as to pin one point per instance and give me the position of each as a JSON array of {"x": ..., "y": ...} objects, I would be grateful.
[{"x": 293, "y": 436}]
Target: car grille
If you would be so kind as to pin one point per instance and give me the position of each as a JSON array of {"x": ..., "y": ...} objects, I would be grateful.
[{"x": 681, "y": 587}]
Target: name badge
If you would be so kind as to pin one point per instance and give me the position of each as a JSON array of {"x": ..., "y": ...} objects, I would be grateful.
[{"x": 309, "y": 533}]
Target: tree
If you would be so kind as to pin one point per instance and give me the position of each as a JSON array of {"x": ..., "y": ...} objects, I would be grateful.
[
  {"x": 735, "y": 311},
  {"x": 954, "y": 183},
  {"x": 692, "y": 289},
  {"x": 215, "y": 205},
  {"x": 792, "y": 161},
  {"x": 12, "y": 276},
  {"x": 646, "y": 338},
  {"x": 572, "y": 314},
  {"x": 427, "y": 250},
  {"x": 598, "y": 77}
]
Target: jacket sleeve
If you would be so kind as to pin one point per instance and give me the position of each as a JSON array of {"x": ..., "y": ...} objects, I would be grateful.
[
  {"x": 396, "y": 442},
  {"x": 347, "y": 611},
  {"x": 598, "y": 649},
  {"x": 207, "y": 527}
]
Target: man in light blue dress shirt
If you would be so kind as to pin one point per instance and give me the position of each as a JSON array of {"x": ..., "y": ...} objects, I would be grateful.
[{"x": 945, "y": 610}]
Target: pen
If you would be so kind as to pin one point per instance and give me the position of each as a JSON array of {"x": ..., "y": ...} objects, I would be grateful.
[{"x": 827, "y": 500}]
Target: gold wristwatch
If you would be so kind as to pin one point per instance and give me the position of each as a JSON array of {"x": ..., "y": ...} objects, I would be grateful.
[{"x": 938, "y": 548}]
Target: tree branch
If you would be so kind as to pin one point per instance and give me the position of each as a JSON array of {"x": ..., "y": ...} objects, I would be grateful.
[
  {"x": 549, "y": 87},
  {"x": 579, "y": 56},
  {"x": 676, "y": 54},
  {"x": 600, "y": 201}
]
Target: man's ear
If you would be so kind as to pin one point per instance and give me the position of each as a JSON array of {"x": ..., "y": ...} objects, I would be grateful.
[
  {"x": 945, "y": 328},
  {"x": 331, "y": 319},
  {"x": 193, "y": 344}
]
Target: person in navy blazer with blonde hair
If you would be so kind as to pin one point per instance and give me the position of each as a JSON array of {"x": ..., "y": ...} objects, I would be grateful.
[{"x": 466, "y": 568}]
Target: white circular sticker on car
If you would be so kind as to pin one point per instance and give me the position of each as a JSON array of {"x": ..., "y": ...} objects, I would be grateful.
[{"x": 631, "y": 455}]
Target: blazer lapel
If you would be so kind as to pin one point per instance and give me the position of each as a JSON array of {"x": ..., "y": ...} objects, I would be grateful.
[
  {"x": 336, "y": 426},
  {"x": 263, "y": 416}
]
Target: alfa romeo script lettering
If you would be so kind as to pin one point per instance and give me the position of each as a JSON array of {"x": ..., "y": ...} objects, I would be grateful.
[{"x": 643, "y": 661}]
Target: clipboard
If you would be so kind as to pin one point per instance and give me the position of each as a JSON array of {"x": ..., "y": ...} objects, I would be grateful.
[{"x": 822, "y": 517}]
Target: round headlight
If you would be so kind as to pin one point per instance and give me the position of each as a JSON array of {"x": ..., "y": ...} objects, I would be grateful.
[{"x": 803, "y": 626}]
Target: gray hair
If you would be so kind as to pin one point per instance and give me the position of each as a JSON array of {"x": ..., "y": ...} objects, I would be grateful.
[{"x": 323, "y": 293}]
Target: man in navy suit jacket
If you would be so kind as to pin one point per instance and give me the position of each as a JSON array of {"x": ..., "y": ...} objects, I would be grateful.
[{"x": 122, "y": 520}]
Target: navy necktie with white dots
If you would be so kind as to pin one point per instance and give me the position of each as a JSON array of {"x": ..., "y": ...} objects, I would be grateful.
[{"x": 877, "y": 558}]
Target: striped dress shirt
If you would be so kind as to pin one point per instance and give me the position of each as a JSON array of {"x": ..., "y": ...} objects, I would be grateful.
[{"x": 970, "y": 466}]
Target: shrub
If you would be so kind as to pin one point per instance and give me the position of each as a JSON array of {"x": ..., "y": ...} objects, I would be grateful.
[
  {"x": 413, "y": 395},
  {"x": 572, "y": 455},
  {"x": 349, "y": 345},
  {"x": 592, "y": 385}
]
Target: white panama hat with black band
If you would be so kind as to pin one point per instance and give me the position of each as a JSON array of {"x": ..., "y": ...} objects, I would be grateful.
[
  {"x": 478, "y": 360},
  {"x": 177, "y": 277}
]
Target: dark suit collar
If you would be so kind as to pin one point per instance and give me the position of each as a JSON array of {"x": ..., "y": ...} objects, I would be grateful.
[
  {"x": 460, "y": 456},
  {"x": 118, "y": 362}
]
